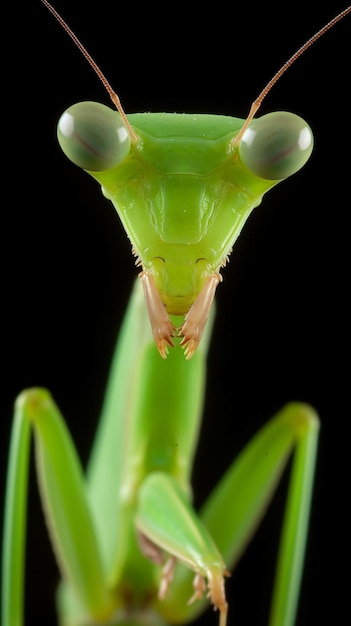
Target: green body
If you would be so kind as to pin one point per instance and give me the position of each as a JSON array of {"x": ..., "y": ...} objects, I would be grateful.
[
  {"x": 138, "y": 484},
  {"x": 130, "y": 546},
  {"x": 183, "y": 189},
  {"x": 157, "y": 428},
  {"x": 182, "y": 195}
]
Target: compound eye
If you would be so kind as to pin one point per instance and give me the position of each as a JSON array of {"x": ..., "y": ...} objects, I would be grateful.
[
  {"x": 93, "y": 136},
  {"x": 276, "y": 145}
]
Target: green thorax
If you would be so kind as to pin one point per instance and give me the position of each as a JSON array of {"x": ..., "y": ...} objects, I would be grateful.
[{"x": 183, "y": 196}]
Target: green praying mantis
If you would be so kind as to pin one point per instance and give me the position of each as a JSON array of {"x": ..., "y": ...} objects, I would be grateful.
[{"x": 138, "y": 317}]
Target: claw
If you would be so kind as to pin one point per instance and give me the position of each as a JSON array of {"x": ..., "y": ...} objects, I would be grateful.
[
  {"x": 199, "y": 585},
  {"x": 217, "y": 594},
  {"x": 196, "y": 318},
  {"x": 195, "y": 321},
  {"x": 162, "y": 336},
  {"x": 167, "y": 577},
  {"x": 162, "y": 328}
]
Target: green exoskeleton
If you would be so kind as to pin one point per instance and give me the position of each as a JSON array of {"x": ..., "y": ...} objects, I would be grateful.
[{"x": 130, "y": 546}]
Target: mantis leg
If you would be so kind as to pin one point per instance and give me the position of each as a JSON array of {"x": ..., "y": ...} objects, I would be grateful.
[
  {"x": 195, "y": 320},
  {"x": 162, "y": 327},
  {"x": 258, "y": 468},
  {"x": 12, "y": 575},
  {"x": 67, "y": 510},
  {"x": 166, "y": 518},
  {"x": 293, "y": 429}
]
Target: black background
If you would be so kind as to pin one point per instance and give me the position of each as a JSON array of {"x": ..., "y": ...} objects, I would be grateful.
[{"x": 282, "y": 330}]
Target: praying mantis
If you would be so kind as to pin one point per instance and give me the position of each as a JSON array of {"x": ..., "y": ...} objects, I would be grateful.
[{"x": 233, "y": 357}]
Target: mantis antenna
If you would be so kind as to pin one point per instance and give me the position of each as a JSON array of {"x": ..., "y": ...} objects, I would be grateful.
[
  {"x": 257, "y": 103},
  {"x": 115, "y": 99}
]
